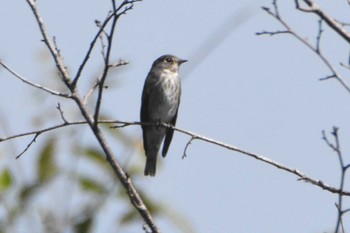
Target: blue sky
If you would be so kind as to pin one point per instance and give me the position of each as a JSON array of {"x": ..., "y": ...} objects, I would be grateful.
[{"x": 258, "y": 93}]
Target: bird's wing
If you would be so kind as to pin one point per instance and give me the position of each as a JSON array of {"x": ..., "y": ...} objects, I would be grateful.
[
  {"x": 144, "y": 116},
  {"x": 169, "y": 134}
]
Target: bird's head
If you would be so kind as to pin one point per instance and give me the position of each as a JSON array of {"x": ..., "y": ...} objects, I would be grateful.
[{"x": 168, "y": 62}]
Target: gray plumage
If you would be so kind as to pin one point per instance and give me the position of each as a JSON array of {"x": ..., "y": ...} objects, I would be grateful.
[{"x": 160, "y": 103}]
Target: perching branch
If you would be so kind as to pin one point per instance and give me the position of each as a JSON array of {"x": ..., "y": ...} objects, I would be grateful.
[{"x": 194, "y": 136}]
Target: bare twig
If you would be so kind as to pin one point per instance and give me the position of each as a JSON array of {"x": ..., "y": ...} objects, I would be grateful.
[
  {"x": 101, "y": 29},
  {"x": 61, "y": 113},
  {"x": 52, "y": 92},
  {"x": 344, "y": 24},
  {"x": 186, "y": 147},
  {"x": 98, "y": 80},
  {"x": 334, "y": 73},
  {"x": 40, "y": 131},
  {"x": 345, "y": 66},
  {"x": 103, "y": 45},
  {"x": 349, "y": 59},
  {"x": 314, "y": 8},
  {"x": 194, "y": 136},
  {"x": 92, "y": 89},
  {"x": 107, "y": 55},
  {"x": 301, "y": 176},
  {"x": 51, "y": 46},
  {"x": 270, "y": 33},
  {"x": 336, "y": 148},
  {"x": 327, "y": 77},
  {"x": 318, "y": 38},
  {"x": 29, "y": 145},
  {"x": 119, "y": 63}
]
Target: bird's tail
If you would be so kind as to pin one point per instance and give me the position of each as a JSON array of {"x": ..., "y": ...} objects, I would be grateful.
[{"x": 151, "y": 162}]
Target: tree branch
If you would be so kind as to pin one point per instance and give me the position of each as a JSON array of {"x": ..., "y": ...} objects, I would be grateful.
[
  {"x": 334, "y": 73},
  {"x": 194, "y": 136},
  {"x": 336, "y": 148},
  {"x": 101, "y": 29},
  {"x": 314, "y": 8},
  {"x": 51, "y": 46},
  {"x": 15, "y": 74},
  {"x": 123, "y": 177}
]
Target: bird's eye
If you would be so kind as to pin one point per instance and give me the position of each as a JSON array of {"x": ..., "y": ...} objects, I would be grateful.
[{"x": 168, "y": 59}]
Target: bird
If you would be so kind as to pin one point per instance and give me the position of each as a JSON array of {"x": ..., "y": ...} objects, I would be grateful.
[{"x": 160, "y": 103}]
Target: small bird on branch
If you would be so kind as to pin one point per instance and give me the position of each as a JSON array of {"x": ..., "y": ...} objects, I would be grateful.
[{"x": 160, "y": 103}]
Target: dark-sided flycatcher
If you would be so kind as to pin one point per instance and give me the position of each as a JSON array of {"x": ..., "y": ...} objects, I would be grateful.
[{"x": 160, "y": 103}]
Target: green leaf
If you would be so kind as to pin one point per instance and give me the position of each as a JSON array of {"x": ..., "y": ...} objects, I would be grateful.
[
  {"x": 83, "y": 226},
  {"x": 6, "y": 180},
  {"x": 91, "y": 185},
  {"x": 27, "y": 191},
  {"x": 95, "y": 155},
  {"x": 46, "y": 164},
  {"x": 130, "y": 216}
]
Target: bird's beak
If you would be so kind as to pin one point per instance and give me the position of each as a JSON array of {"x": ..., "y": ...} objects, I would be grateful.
[{"x": 182, "y": 61}]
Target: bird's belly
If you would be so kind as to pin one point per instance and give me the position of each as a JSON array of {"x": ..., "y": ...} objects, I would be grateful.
[
  {"x": 164, "y": 101},
  {"x": 164, "y": 105},
  {"x": 166, "y": 111}
]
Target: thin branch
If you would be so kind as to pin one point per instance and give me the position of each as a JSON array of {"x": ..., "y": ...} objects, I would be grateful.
[
  {"x": 51, "y": 45},
  {"x": 40, "y": 131},
  {"x": 277, "y": 16},
  {"x": 194, "y": 136},
  {"x": 101, "y": 29},
  {"x": 301, "y": 176},
  {"x": 119, "y": 63},
  {"x": 327, "y": 77},
  {"x": 103, "y": 45},
  {"x": 98, "y": 80},
  {"x": 29, "y": 145},
  {"x": 15, "y": 74},
  {"x": 61, "y": 113},
  {"x": 349, "y": 59},
  {"x": 344, "y": 24},
  {"x": 91, "y": 91},
  {"x": 336, "y": 148},
  {"x": 272, "y": 33},
  {"x": 345, "y": 66},
  {"x": 318, "y": 38},
  {"x": 107, "y": 56},
  {"x": 186, "y": 147},
  {"x": 345, "y": 211},
  {"x": 314, "y": 8}
]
